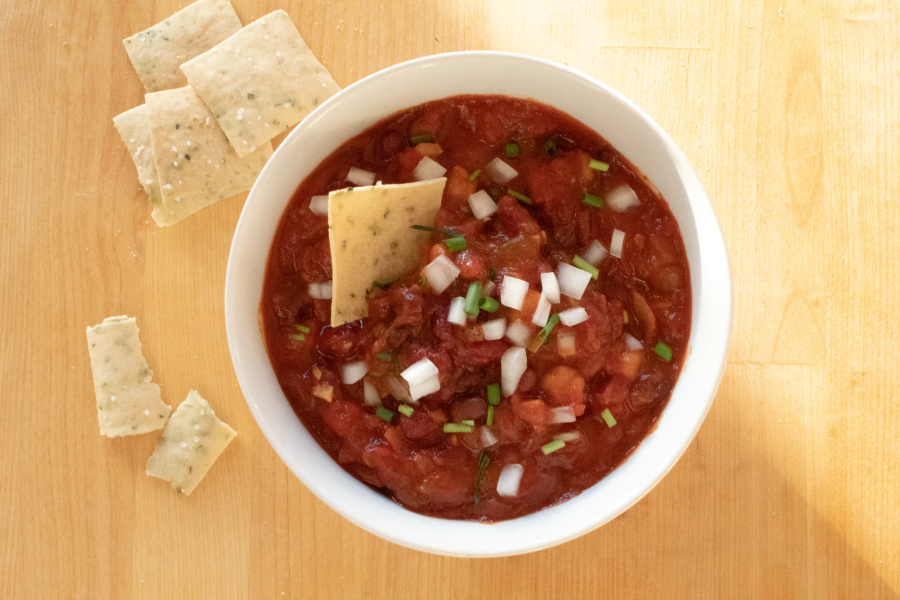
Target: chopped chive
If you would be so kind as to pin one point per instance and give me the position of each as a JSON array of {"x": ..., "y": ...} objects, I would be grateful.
[
  {"x": 551, "y": 323},
  {"x": 382, "y": 283},
  {"x": 474, "y": 174},
  {"x": 385, "y": 356},
  {"x": 298, "y": 337},
  {"x": 512, "y": 150},
  {"x": 585, "y": 266},
  {"x": 472, "y": 297},
  {"x": 488, "y": 304},
  {"x": 420, "y": 138},
  {"x": 550, "y": 148},
  {"x": 490, "y": 417},
  {"x": 608, "y": 417},
  {"x": 592, "y": 200},
  {"x": 469, "y": 422},
  {"x": 598, "y": 165},
  {"x": 456, "y": 244},
  {"x": 384, "y": 414},
  {"x": 519, "y": 196},
  {"x": 422, "y": 281},
  {"x": 493, "y": 394},
  {"x": 663, "y": 351},
  {"x": 302, "y": 329},
  {"x": 492, "y": 273},
  {"x": 551, "y": 447},
  {"x": 457, "y": 428},
  {"x": 484, "y": 459},
  {"x": 406, "y": 410},
  {"x": 448, "y": 231}
]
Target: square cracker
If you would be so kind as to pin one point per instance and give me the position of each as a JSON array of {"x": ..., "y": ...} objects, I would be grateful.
[
  {"x": 190, "y": 444},
  {"x": 192, "y": 155},
  {"x": 157, "y": 52},
  {"x": 371, "y": 238},
  {"x": 260, "y": 81},
  {"x": 127, "y": 403}
]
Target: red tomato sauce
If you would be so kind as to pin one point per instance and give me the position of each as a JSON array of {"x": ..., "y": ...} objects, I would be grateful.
[{"x": 645, "y": 294}]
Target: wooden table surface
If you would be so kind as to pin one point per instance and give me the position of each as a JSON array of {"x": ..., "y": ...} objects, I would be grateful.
[{"x": 789, "y": 111}]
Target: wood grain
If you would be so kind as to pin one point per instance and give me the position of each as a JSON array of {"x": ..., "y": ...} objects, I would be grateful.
[{"x": 789, "y": 110}]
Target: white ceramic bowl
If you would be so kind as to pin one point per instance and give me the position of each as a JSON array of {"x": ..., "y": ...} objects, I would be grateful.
[{"x": 636, "y": 136}]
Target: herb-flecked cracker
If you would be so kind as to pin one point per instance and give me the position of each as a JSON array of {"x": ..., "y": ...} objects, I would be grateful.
[
  {"x": 190, "y": 444},
  {"x": 260, "y": 81},
  {"x": 127, "y": 402},
  {"x": 192, "y": 154},
  {"x": 157, "y": 52},
  {"x": 371, "y": 239},
  {"x": 132, "y": 126}
]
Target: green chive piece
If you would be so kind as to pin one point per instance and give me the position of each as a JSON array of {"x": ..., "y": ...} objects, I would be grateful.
[
  {"x": 585, "y": 266},
  {"x": 448, "y": 231},
  {"x": 385, "y": 356},
  {"x": 550, "y": 148},
  {"x": 519, "y": 196},
  {"x": 592, "y": 200},
  {"x": 488, "y": 304},
  {"x": 608, "y": 417},
  {"x": 551, "y": 323},
  {"x": 456, "y": 244},
  {"x": 472, "y": 298},
  {"x": 474, "y": 174},
  {"x": 298, "y": 337},
  {"x": 551, "y": 447},
  {"x": 484, "y": 459},
  {"x": 598, "y": 165},
  {"x": 663, "y": 351},
  {"x": 492, "y": 273},
  {"x": 382, "y": 283},
  {"x": 384, "y": 414},
  {"x": 457, "y": 428},
  {"x": 302, "y": 329},
  {"x": 490, "y": 417},
  {"x": 406, "y": 410},
  {"x": 493, "y": 394},
  {"x": 512, "y": 150},
  {"x": 469, "y": 422},
  {"x": 420, "y": 138},
  {"x": 423, "y": 281}
]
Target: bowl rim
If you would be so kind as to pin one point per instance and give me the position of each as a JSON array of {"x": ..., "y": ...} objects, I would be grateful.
[{"x": 698, "y": 199}]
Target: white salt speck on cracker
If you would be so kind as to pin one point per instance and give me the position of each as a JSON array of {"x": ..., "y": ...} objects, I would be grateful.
[
  {"x": 287, "y": 104},
  {"x": 113, "y": 398},
  {"x": 174, "y": 149},
  {"x": 244, "y": 142},
  {"x": 131, "y": 140},
  {"x": 188, "y": 143},
  {"x": 184, "y": 444},
  {"x": 196, "y": 439},
  {"x": 175, "y": 162},
  {"x": 277, "y": 53},
  {"x": 168, "y": 186},
  {"x": 147, "y": 412},
  {"x": 196, "y": 427}
]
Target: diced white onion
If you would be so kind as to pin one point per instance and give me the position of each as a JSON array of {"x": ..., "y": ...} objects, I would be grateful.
[
  {"x": 354, "y": 371},
  {"x": 441, "y": 272},
  {"x": 428, "y": 169},
  {"x": 595, "y": 253},
  {"x": 319, "y": 205},
  {"x": 567, "y": 436},
  {"x": 494, "y": 329},
  {"x": 550, "y": 287},
  {"x": 360, "y": 177},
  {"x": 418, "y": 372},
  {"x": 573, "y": 316},
  {"x": 482, "y": 204},
  {"x": 509, "y": 480},
  {"x": 500, "y": 172},
  {"x": 562, "y": 414},
  {"x": 618, "y": 241},
  {"x": 512, "y": 366},
  {"x": 487, "y": 437},
  {"x": 320, "y": 291},
  {"x": 632, "y": 343},
  {"x": 429, "y": 386},
  {"x": 512, "y": 293},
  {"x": 398, "y": 390},
  {"x": 370, "y": 394},
  {"x": 457, "y": 312},
  {"x": 518, "y": 333},
  {"x": 565, "y": 343},
  {"x": 621, "y": 199},
  {"x": 542, "y": 312},
  {"x": 572, "y": 280}
]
